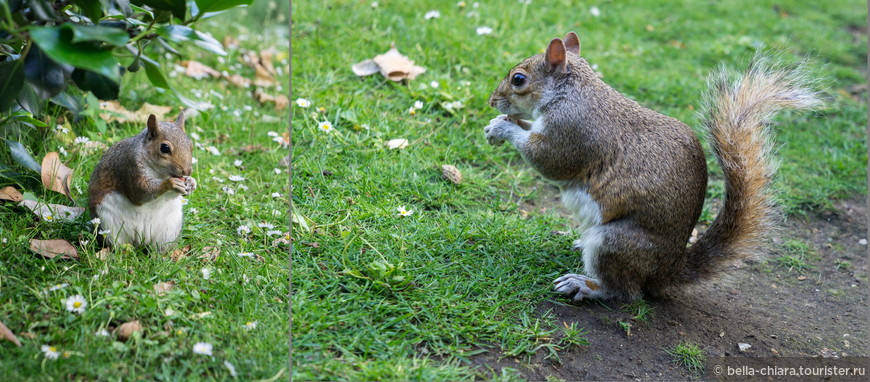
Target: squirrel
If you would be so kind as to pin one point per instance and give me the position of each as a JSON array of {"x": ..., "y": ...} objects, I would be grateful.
[
  {"x": 137, "y": 186},
  {"x": 635, "y": 179}
]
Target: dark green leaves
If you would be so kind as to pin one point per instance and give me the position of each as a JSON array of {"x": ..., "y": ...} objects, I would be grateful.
[
  {"x": 45, "y": 76},
  {"x": 208, "y": 6},
  {"x": 61, "y": 45},
  {"x": 102, "y": 87},
  {"x": 11, "y": 80},
  {"x": 177, "y": 7},
  {"x": 155, "y": 75},
  {"x": 22, "y": 156}
]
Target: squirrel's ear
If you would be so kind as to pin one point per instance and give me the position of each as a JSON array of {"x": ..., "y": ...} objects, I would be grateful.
[
  {"x": 153, "y": 129},
  {"x": 572, "y": 43},
  {"x": 555, "y": 56},
  {"x": 180, "y": 120}
]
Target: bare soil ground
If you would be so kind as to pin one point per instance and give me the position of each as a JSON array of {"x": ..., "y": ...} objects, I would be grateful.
[{"x": 820, "y": 311}]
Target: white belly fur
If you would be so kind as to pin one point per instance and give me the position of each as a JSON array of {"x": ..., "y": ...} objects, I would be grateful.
[
  {"x": 587, "y": 213},
  {"x": 156, "y": 223}
]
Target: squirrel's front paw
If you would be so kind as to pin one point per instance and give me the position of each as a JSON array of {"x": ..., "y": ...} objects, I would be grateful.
[
  {"x": 579, "y": 287},
  {"x": 499, "y": 130},
  {"x": 179, "y": 185},
  {"x": 190, "y": 183}
]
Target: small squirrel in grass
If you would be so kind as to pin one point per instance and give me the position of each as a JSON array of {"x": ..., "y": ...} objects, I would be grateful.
[
  {"x": 635, "y": 179},
  {"x": 137, "y": 186}
]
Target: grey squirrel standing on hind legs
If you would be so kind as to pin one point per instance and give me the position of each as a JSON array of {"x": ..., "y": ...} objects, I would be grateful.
[{"x": 635, "y": 179}]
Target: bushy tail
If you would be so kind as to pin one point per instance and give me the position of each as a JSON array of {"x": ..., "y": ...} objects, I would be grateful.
[{"x": 737, "y": 110}]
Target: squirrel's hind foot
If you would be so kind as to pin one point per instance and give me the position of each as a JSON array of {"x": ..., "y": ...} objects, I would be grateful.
[{"x": 581, "y": 287}]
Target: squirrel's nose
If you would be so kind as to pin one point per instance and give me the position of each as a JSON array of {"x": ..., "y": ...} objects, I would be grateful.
[{"x": 188, "y": 171}]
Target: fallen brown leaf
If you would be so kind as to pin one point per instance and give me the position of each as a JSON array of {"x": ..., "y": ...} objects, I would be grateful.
[
  {"x": 163, "y": 287},
  {"x": 103, "y": 254},
  {"x": 210, "y": 253},
  {"x": 56, "y": 176},
  {"x": 10, "y": 193},
  {"x": 264, "y": 72},
  {"x": 8, "y": 335},
  {"x": 198, "y": 70},
  {"x": 126, "y": 330},
  {"x": 451, "y": 173},
  {"x": 140, "y": 116},
  {"x": 230, "y": 42},
  {"x": 281, "y": 101},
  {"x": 238, "y": 80},
  {"x": 392, "y": 64},
  {"x": 178, "y": 253},
  {"x": 53, "y": 248},
  {"x": 55, "y": 211}
]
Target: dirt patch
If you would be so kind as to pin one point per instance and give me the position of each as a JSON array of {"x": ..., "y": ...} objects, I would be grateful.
[{"x": 780, "y": 312}]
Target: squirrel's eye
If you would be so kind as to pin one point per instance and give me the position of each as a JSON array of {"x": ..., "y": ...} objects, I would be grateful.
[
  {"x": 164, "y": 148},
  {"x": 518, "y": 79}
]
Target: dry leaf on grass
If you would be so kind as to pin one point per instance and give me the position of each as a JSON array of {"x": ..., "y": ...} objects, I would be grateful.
[
  {"x": 8, "y": 335},
  {"x": 230, "y": 42},
  {"x": 119, "y": 113},
  {"x": 126, "y": 330},
  {"x": 52, "y": 212},
  {"x": 162, "y": 288},
  {"x": 56, "y": 176},
  {"x": 10, "y": 193},
  {"x": 103, "y": 254},
  {"x": 198, "y": 70},
  {"x": 238, "y": 80},
  {"x": 178, "y": 253},
  {"x": 397, "y": 143},
  {"x": 281, "y": 101},
  {"x": 53, "y": 248},
  {"x": 392, "y": 64},
  {"x": 451, "y": 173},
  {"x": 264, "y": 71},
  {"x": 210, "y": 253}
]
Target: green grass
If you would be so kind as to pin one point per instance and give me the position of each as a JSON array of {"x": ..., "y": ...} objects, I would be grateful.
[
  {"x": 796, "y": 255},
  {"x": 120, "y": 289},
  {"x": 474, "y": 259},
  {"x": 689, "y": 356}
]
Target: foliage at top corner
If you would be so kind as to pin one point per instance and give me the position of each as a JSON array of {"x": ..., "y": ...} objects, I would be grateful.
[{"x": 46, "y": 46}]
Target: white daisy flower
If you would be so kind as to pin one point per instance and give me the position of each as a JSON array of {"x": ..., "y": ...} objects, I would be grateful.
[
  {"x": 243, "y": 187},
  {"x": 374, "y": 4},
  {"x": 273, "y": 232},
  {"x": 432, "y": 15},
  {"x": 169, "y": 312},
  {"x": 277, "y": 171},
  {"x": 104, "y": 231},
  {"x": 62, "y": 129},
  {"x": 246, "y": 254},
  {"x": 418, "y": 104},
  {"x": 265, "y": 225},
  {"x": 193, "y": 160},
  {"x": 251, "y": 325},
  {"x": 228, "y": 190},
  {"x": 102, "y": 333},
  {"x": 58, "y": 286},
  {"x": 483, "y": 31},
  {"x": 193, "y": 210},
  {"x": 276, "y": 195},
  {"x": 203, "y": 348},
  {"x": 243, "y": 230},
  {"x": 237, "y": 163},
  {"x": 82, "y": 140},
  {"x": 245, "y": 278},
  {"x": 206, "y": 273},
  {"x": 62, "y": 150},
  {"x": 404, "y": 212},
  {"x": 184, "y": 201},
  {"x": 50, "y": 351},
  {"x": 96, "y": 221},
  {"x": 325, "y": 126},
  {"x": 595, "y": 11},
  {"x": 434, "y": 84},
  {"x": 236, "y": 178},
  {"x": 47, "y": 217},
  {"x": 272, "y": 134},
  {"x": 213, "y": 150},
  {"x": 302, "y": 102},
  {"x": 195, "y": 136},
  {"x": 76, "y": 304}
]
